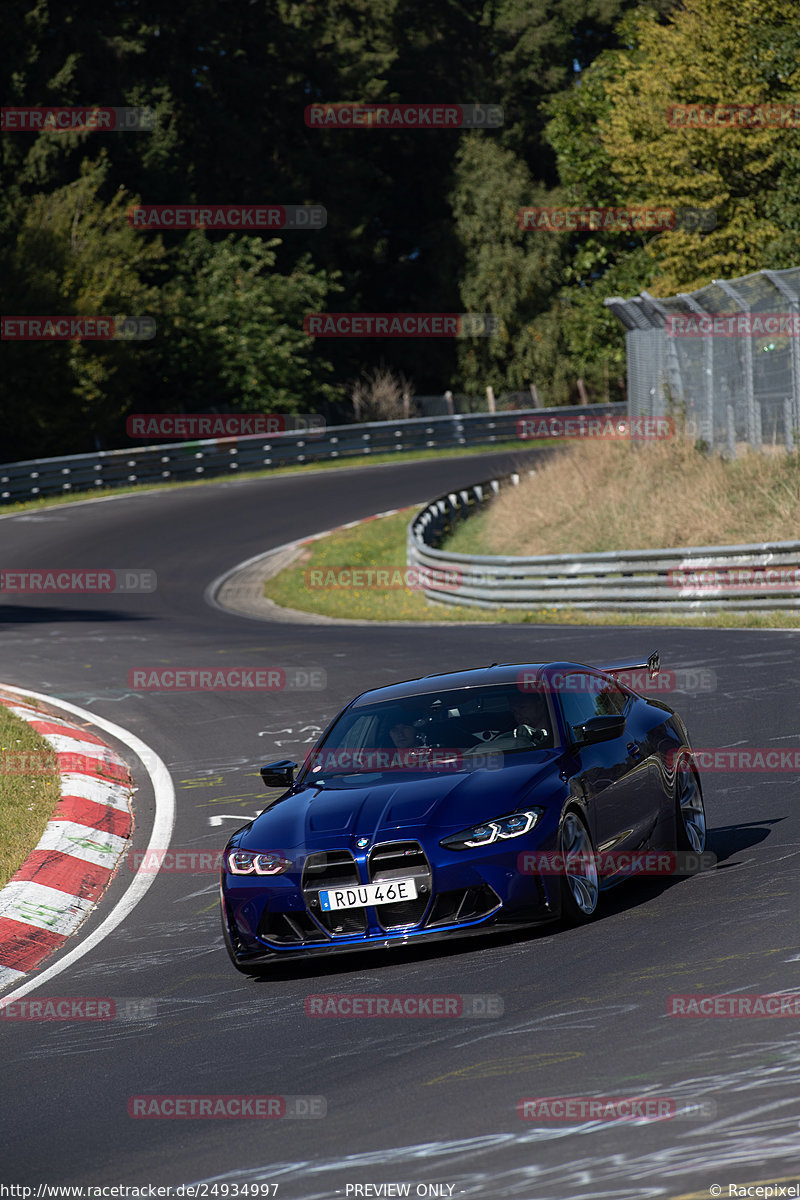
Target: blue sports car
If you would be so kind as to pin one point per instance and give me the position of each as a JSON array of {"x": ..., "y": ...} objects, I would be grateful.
[{"x": 489, "y": 798}]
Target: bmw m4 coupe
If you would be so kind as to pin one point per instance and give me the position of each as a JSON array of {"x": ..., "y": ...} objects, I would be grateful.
[{"x": 485, "y": 799}]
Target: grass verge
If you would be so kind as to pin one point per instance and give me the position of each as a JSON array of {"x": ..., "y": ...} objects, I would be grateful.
[
  {"x": 382, "y": 544},
  {"x": 30, "y": 788}
]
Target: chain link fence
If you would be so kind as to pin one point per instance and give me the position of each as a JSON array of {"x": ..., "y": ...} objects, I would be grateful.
[{"x": 726, "y": 355}]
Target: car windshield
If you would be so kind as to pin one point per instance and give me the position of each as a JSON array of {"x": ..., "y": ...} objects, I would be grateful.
[{"x": 464, "y": 729}]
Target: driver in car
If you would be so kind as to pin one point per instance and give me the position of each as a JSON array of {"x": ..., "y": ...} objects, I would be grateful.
[
  {"x": 530, "y": 712},
  {"x": 402, "y": 733},
  {"x": 531, "y": 728}
]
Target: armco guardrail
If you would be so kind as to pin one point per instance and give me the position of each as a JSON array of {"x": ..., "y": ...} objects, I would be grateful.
[
  {"x": 228, "y": 456},
  {"x": 760, "y": 576}
]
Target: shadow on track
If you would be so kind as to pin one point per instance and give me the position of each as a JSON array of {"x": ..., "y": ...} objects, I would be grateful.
[{"x": 29, "y": 614}]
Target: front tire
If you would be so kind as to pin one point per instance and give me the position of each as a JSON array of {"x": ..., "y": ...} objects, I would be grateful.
[{"x": 580, "y": 889}]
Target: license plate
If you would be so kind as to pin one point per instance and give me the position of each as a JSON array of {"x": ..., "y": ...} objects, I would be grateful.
[{"x": 388, "y": 892}]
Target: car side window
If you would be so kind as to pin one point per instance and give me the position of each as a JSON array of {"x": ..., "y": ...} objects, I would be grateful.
[
  {"x": 585, "y": 696},
  {"x": 611, "y": 700}
]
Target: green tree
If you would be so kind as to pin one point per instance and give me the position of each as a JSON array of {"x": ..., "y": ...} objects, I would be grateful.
[
  {"x": 712, "y": 52},
  {"x": 233, "y": 330},
  {"x": 230, "y": 84},
  {"x": 614, "y": 147},
  {"x": 72, "y": 253},
  {"x": 505, "y": 271}
]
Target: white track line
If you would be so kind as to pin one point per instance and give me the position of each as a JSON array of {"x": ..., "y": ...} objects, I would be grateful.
[{"x": 159, "y": 839}]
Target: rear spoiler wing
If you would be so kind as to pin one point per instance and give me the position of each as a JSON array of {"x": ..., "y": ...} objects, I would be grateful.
[{"x": 652, "y": 665}]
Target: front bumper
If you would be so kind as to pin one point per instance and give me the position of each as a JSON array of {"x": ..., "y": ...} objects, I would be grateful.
[
  {"x": 265, "y": 921},
  {"x": 266, "y": 956}
]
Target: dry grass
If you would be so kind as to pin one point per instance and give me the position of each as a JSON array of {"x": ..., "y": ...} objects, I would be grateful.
[{"x": 610, "y": 496}]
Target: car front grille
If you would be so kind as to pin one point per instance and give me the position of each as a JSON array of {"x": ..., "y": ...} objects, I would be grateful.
[
  {"x": 329, "y": 869},
  {"x": 389, "y": 860},
  {"x": 401, "y": 860}
]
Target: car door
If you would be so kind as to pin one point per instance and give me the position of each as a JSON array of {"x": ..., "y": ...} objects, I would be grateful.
[{"x": 615, "y": 779}]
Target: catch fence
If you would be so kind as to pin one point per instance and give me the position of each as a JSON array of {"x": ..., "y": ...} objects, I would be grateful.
[{"x": 727, "y": 356}]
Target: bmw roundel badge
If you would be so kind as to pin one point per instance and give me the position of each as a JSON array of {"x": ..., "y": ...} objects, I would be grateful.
[{"x": 362, "y": 843}]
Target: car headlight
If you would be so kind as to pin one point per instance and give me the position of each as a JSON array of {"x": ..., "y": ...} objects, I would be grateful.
[
  {"x": 247, "y": 862},
  {"x": 493, "y": 831}
]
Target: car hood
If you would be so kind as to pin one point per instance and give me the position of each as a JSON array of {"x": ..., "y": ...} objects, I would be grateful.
[{"x": 324, "y": 818}]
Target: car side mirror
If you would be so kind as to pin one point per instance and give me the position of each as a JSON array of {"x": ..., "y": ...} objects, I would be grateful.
[
  {"x": 279, "y": 774},
  {"x": 600, "y": 729}
]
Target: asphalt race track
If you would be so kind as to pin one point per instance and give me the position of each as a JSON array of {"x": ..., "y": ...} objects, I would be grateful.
[{"x": 427, "y": 1101}]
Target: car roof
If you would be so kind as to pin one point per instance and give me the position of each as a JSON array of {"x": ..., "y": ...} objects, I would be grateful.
[{"x": 498, "y": 673}]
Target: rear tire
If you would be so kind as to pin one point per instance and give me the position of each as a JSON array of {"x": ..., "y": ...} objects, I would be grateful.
[
  {"x": 690, "y": 813},
  {"x": 580, "y": 889}
]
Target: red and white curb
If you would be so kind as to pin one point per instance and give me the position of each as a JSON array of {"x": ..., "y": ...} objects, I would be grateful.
[
  {"x": 315, "y": 537},
  {"x": 62, "y": 879}
]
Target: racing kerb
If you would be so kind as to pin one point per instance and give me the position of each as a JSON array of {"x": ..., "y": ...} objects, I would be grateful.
[
  {"x": 214, "y": 457},
  {"x": 648, "y": 580}
]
